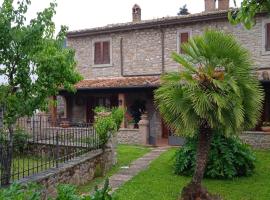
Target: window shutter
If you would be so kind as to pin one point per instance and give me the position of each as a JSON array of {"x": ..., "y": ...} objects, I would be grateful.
[
  {"x": 98, "y": 54},
  {"x": 183, "y": 39},
  {"x": 267, "y": 37},
  {"x": 106, "y": 52}
]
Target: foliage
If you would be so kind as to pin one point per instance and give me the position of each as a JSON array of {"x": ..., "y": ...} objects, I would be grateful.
[
  {"x": 20, "y": 138},
  {"x": 21, "y": 192},
  {"x": 183, "y": 10},
  {"x": 266, "y": 124},
  {"x": 228, "y": 158},
  {"x": 103, "y": 193},
  {"x": 33, "y": 61},
  {"x": 246, "y": 13},
  {"x": 64, "y": 192},
  {"x": 107, "y": 121},
  {"x": 67, "y": 192},
  {"x": 216, "y": 84},
  {"x": 118, "y": 115}
]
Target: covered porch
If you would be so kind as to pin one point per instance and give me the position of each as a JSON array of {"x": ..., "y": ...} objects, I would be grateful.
[{"x": 134, "y": 94}]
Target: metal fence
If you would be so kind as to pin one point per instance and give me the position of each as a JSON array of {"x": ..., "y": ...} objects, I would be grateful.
[{"x": 38, "y": 144}]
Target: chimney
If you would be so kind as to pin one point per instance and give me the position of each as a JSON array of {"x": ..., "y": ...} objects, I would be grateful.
[
  {"x": 136, "y": 13},
  {"x": 210, "y": 5},
  {"x": 223, "y": 4}
]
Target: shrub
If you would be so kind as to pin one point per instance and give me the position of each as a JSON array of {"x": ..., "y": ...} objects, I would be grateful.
[
  {"x": 228, "y": 158},
  {"x": 21, "y": 192},
  {"x": 20, "y": 138},
  {"x": 107, "y": 122},
  {"x": 67, "y": 192}
]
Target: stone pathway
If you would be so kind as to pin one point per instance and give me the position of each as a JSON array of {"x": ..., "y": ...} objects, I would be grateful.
[{"x": 135, "y": 167}]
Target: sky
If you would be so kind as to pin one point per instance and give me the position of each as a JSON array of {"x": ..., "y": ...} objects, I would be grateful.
[{"x": 81, "y": 14}]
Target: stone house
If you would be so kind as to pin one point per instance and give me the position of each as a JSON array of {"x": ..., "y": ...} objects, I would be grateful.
[{"x": 121, "y": 63}]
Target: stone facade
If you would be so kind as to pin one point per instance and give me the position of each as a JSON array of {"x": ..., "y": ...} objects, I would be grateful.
[
  {"x": 258, "y": 140},
  {"x": 142, "y": 49}
]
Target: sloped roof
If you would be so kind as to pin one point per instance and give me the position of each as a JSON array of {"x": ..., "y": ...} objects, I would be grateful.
[
  {"x": 153, "y": 23},
  {"x": 119, "y": 82}
]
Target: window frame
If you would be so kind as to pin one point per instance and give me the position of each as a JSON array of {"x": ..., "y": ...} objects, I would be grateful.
[
  {"x": 94, "y": 41},
  {"x": 180, "y": 31},
  {"x": 264, "y": 23}
]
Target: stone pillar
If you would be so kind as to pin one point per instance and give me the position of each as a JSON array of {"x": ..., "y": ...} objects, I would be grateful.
[
  {"x": 144, "y": 129},
  {"x": 111, "y": 146},
  {"x": 122, "y": 104},
  {"x": 210, "y": 5},
  {"x": 53, "y": 111},
  {"x": 223, "y": 4}
]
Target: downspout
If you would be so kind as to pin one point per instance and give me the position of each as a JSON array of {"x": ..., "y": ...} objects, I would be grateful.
[
  {"x": 121, "y": 57},
  {"x": 162, "y": 51}
]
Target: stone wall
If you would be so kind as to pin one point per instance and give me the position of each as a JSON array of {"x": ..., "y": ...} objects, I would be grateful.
[
  {"x": 78, "y": 171},
  {"x": 142, "y": 49},
  {"x": 258, "y": 140},
  {"x": 129, "y": 136}
]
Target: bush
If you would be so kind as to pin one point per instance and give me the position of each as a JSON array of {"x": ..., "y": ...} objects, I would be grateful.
[
  {"x": 64, "y": 192},
  {"x": 107, "y": 121},
  {"x": 20, "y": 138},
  {"x": 228, "y": 158},
  {"x": 21, "y": 192}
]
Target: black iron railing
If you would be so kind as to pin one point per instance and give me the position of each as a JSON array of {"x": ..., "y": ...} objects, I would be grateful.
[{"x": 37, "y": 144}]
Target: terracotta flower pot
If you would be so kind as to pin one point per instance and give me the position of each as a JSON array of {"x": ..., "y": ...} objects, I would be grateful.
[{"x": 266, "y": 128}]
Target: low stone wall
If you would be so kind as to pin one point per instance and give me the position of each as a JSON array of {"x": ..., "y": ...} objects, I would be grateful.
[
  {"x": 129, "y": 136},
  {"x": 77, "y": 171},
  {"x": 257, "y": 139}
]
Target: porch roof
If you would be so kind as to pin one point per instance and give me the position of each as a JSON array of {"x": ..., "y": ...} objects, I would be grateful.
[{"x": 120, "y": 82}]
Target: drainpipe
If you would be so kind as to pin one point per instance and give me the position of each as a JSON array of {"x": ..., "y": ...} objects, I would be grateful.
[{"x": 162, "y": 51}]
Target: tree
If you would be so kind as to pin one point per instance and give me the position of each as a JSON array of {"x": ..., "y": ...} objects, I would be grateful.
[
  {"x": 34, "y": 63},
  {"x": 246, "y": 13},
  {"x": 183, "y": 10},
  {"x": 215, "y": 91}
]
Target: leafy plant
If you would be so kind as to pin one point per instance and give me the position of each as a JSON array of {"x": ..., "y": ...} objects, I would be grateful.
[
  {"x": 107, "y": 122},
  {"x": 21, "y": 192},
  {"x": 228, "y": 158},
  {"x": 102, "y": 194},
  {"x": 266, "y": 124},
  {"x": 67, "y": 192},
  {"x": 118, "y": 115}
]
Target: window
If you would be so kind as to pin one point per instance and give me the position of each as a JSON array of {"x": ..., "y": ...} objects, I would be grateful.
[
  {"x": 267, "y": 37},
  {"x": 102, "y": 52},
  {"x": 182, "y": 37}
]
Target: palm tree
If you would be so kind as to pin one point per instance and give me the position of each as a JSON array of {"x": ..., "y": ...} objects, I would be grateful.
[{"x": 215, "y": 90}]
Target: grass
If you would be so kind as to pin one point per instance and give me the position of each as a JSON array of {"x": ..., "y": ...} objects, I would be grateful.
[
  {"x": 159, "y": 183},
  {"x": 125, "y": 155}
]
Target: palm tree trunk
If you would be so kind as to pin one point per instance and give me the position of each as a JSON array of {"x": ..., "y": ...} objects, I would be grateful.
[
  {"x": 204, "y": 143},
  {"x": 194, "y": 189}
]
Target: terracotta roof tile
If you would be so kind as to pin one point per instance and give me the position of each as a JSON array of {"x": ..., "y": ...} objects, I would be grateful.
[{"x": 119, "y": 82}]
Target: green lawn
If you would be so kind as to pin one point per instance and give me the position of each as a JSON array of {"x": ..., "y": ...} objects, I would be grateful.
[
  {"x": 125, "y": 155},
  {"x": 159, "y": 182}
]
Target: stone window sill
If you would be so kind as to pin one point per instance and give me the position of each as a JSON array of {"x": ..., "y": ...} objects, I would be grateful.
[{"x": 102, "y": 65}]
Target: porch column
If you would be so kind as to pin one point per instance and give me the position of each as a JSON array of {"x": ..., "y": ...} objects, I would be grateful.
[
  {"x": 53, "y": 110},
  {"x": 122, "y": 104}
]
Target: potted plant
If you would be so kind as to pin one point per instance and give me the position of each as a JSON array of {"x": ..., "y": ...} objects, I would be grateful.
[{"x": 266, "y": 127}]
